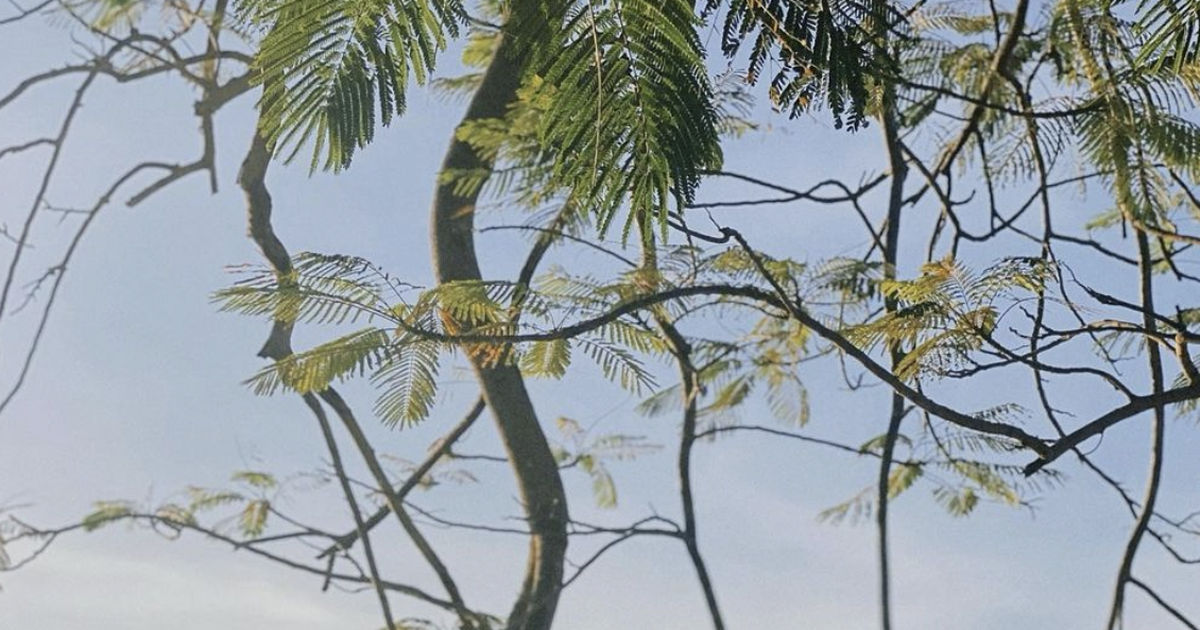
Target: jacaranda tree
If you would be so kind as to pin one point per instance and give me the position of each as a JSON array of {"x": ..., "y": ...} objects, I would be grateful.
[{"x": 605, "y": 122}]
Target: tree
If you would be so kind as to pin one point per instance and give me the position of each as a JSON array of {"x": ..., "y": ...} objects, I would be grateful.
[{"x": 603, "y": 120}]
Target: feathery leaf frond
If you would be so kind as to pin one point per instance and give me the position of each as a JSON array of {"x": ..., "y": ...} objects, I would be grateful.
[
  {"x": 826, "y": 50},
  {"x": 632, "y": 118},
  {"x": 332, "y": 69}
]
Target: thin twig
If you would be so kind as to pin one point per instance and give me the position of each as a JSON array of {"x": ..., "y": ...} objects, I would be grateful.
[{"x": 340, "y": 471}]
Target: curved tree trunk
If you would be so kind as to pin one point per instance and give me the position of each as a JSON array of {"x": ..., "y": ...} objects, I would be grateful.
[{"x": 533, "y": 463}]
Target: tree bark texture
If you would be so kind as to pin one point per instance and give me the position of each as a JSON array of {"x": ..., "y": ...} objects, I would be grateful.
[{"x": 536, "y": 472}]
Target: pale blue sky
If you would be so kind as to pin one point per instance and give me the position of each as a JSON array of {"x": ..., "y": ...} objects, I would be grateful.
[{"x": 136, "y": 393}]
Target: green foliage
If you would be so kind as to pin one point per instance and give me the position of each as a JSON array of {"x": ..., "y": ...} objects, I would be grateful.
[
  {"x": 618, "y": 364},
  {"x": 408, "y": 381},
  {"x": 473, "y": 303},
  {"x": 244, "y": 510},
  {"x": 590, "y": 454},
  {"x": 947, "y": 312},
  {"x": 255, "y": 479},
  {"x": 205, "y": 499},
  {"x": 315, "y": 369},
  {"x": 765, "y": 361},
  {"x": 322, "y": 289},
  {"x": 175, "y": 515},
  {"x": 332, "y": 69},
  {"x": 253, "y": 518},
  {"x": 763, "y": 365},
  {"x": 876, "y": 444},
  {"x": 1134, "y": 128},
  {"x": 957, "y": 501},
  {"x": 522, "y": 167},
  {"x": 340, "y": 290},
  {"x": 107, "y": 512},
  {"x": 631, "y": 115},
  {"x": 947, "y": 64},
  {"x": 1134, "y": 140},
  {"x": 824, "y": 50},
  {"x": 952, "y": 464},
  {"x": 439, "y": 474},
  {"x": 626, "y": 113},
  {"x": 902, "y": 478},
  {"x": 777, "y": 347},
  {"x": 1171, "y": 32},
  {"x": 861, "y": 506},
  {"x": 547, "y": 358},
  {"x": 617, "y": 113},
  {"x": 403, "y": 360}
]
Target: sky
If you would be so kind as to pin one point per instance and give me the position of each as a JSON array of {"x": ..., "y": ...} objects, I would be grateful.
[{"x": 136, "y": 393}]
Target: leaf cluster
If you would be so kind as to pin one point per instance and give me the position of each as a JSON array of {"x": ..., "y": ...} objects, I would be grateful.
[
  {"x": 332, "y": 70},
  {"x": 947, "y": 312},
  {"x": 825, "y": 50}
]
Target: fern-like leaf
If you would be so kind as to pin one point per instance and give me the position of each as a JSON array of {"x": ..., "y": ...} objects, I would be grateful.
[
  {"x": 409, "y": 382},
  {"x": 332, "y": 69},
  {"x": 253, "y": 519},
  {"x": 314, "y": 370},
  {"x": 107, "y": 512},
  {"x": 547, "y": 358},
  {"x": 825, "y": 50},
  {"x": 632, "y": 117}
]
